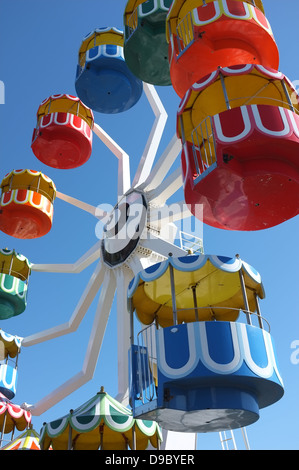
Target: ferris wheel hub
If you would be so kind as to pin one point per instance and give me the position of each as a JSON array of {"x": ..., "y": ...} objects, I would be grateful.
[{"x": 124, "y": 228}]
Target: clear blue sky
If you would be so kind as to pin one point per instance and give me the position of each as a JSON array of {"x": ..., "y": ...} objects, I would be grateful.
[{"x": 39, "y": 43}]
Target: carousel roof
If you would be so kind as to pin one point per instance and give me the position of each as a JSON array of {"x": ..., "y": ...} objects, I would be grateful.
[
  {"x": 245, "y": 84},
  {"x": 14, "y": 264},
  {"x": 13, "y": 415},
  {"x": 29, "y": 179},
  {"x": 28, "y": 440},
  {"x": 214, "y": 279},
  {"x": 180, "y": 8},
  {"x": 101, "y": 415},
  {"x": 11, "y": 345},
  {"x": 66, "y": 103},
  {"x": 105, "y": 35}
]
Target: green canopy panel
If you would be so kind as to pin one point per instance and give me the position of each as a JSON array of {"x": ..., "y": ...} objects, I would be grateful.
[{"x": 100, "y": 423}]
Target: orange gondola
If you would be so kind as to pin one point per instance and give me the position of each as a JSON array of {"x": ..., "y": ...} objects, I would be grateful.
[
  {"x": 204, "y": 35},
  {"x": 26, "y": 204}
]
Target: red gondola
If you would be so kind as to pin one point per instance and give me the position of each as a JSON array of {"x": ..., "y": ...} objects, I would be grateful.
[
  {"x": 63, "y": 134},
  {"x": 240, "y": 132}
]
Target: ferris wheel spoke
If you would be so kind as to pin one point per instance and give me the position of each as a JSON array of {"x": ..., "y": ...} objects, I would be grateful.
[
  {"x": 79, "y": 204},
  {"x": 124, "y": 177},
  {"x": 82, "y": 263},
  {"x": 167, "y": 188},
  {"x": 83, "y": 305},
  {"x": 163, "y": 165},
  {"x": 123, "y": 278},
  {"x": 139, "y": 263},
  {"x": 153, "y": 142},
  {"x": 162, "y": 216},
  {"x": 161, "y": 246},
  {"x": 92, "y": 353}
]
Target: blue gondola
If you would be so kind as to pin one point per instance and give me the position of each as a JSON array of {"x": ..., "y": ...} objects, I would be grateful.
[
  {"x": 196, "y": 366},
  {"x": 103, "y": 80}
]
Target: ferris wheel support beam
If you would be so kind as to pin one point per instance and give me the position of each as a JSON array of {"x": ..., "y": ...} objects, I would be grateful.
[
  {"x": 124, "y": 177},
  {"x": 163, "y": 165},
  {"x": 92, "y": 353},
  {"x": 123, "y": 278},
  {"x": 83, "y": 305},
  {"x": 153, "y": 142},
  {"x": 82, "y": 263},
  {"x": 81, "y": 205},
  {"x": 166, "y": 189},
  {"x": 168, "y": 214},
  {"x": 139, "y": 263},
  {"x": 162, "y": 247}
]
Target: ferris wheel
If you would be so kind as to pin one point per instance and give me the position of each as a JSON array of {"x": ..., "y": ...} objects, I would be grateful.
[{"x": 137, "y": 259}]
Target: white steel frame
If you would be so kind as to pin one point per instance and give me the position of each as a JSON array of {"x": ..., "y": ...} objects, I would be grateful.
[{"x": 158, "y": 186}]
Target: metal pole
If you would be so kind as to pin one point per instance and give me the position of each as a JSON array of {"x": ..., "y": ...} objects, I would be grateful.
[
  {"x": 17, "y": 359},
  {"x": 13, "y": 432},
  {"x": 172, "y": 284},
  {"x": 101, "y": 435},
  {"x": 69, "y": 445},
  {"x": 10, "y": 265},
  {"x": 224, "y": 91},
  {"x": 258, "y": 311},
  {"x": 245, "y": 297},
  {"x": 3, "y": 427},
  {"x": 134, "y": 437},
  {"x": 182, "y": 130},
  {"x": 287, "y": 96},
  {"x": 245, "y": 437},
  {"x": 131, "y": 311},
  {"x": 195, "y": 303}
]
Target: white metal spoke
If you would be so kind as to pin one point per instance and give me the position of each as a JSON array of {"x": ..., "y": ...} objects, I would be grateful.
[
  {"x": 82, "y": 263},
  {"x": 80, "y": 205},
  {"x": 162, "y": 247},
  {"x": 124, "y": 177},
  {"x": 138, "y": 263},
  {"x": 83, "y": 305},
  {"x": 149, "y": 154},
  {"x": 161, "y": 216},
  {"x": 92, "y": 353},
  {"x": 163, "y": 165},
  {"x": 167, "y": 188},
  {"x": 123, "y": 278}
]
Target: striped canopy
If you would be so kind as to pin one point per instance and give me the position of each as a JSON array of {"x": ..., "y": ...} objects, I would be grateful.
[
  {"x": 9, "y": 345},
  {"x": 28, "y": 440},
  {"x": 216, "y": 284},
  {"x": 13, "y": 416},
  {"x": 102, "y": 422}
]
